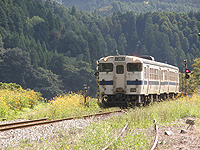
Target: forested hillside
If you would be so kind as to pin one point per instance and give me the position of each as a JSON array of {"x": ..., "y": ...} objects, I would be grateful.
[
  {"x": 53, "y": 49},
  {"x": 107, "y": 7}
]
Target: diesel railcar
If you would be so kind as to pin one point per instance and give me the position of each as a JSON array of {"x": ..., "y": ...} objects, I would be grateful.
[{"x": 126, "y": 79}]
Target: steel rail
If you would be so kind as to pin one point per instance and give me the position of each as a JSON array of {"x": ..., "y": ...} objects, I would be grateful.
[
  {"x": 43, "y": 121},
  {"x": 125, "y": 127},
  {"x": 156, "y": 137},
  {"x": 107, "y": 146},
  {"x": 20, "y": 122},
  {"x": 23, "y": 125}
]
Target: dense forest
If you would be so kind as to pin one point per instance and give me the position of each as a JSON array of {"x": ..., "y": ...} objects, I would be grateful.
[
  {"x": 53, "y": 49},
  {"x": 107, "y": 7}
]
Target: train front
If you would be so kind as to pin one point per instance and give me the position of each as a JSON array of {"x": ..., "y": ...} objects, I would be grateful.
[{"x": 120, "y": 79}]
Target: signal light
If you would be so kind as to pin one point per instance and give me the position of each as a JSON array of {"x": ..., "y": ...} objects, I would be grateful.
[
  {"x": 187, "y": 71},
  {"x": 187, "y": 76}
]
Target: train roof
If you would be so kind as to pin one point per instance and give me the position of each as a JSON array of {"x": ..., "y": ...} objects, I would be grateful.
[{"x": 143, "y": 59}]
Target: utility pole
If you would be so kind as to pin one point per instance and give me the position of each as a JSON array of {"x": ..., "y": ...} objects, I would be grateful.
[{"x": 85, "y": 93}]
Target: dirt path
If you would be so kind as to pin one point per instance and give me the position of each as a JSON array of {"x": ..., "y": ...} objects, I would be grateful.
[{"x": 189, "y": 140}]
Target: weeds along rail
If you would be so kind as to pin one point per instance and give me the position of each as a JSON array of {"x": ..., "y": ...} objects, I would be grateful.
[
  {"x": 122, "y": 131},
  {"x": 125, "y": 128},
  {"x": 43, "y": 121}
]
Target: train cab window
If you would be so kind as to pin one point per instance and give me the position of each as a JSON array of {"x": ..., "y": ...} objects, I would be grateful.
[
  {"x": 134, "y": 67},
  {"x": 105, "y": 67},
  {"x": 119, "y": 69}
]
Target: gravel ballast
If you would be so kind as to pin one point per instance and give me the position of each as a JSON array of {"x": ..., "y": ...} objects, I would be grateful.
[{"x": 16, "y": 137}]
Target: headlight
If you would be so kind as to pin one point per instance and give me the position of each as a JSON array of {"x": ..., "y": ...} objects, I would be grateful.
[
  {"x": 134, "y": 59},
  {"x": 105, "y": 59},
  {"x": 133, "y": 90}
]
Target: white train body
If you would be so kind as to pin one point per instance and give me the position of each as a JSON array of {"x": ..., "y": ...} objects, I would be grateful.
[{"x": 133, "y": 79}]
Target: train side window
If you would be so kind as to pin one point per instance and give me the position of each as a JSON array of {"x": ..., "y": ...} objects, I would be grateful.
[
  {"x": 105, "y": 67},
  {"x": 165, "y": 72},
  {"x": 119, "y": 69},
  {"x": 156, "y": 74},
  {"x": 172, "y": 76},
  {"x": 134, "y": 67}
]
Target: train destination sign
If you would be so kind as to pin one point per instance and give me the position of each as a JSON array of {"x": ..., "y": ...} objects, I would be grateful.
[{"x": 119, "y": 58}]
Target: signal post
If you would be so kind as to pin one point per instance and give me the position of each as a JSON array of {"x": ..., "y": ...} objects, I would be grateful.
[
  {"x": 187, "y": 71},
  {"x": 187, "y": 76}
]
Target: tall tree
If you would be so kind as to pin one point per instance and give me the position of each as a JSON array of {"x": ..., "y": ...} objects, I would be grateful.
[
  {"x": 15, "y": 66},
  {"x": 50, "y": 20},
  {"x": 74, "y": 10},
  {"x": 195, "y": 80},
  {"x": 148, "y": 35},
  {"x": 111, "y": 44},
  {"x": 102, "y": 43},
  {"x": 122, "y": 43},
  {"x": 34, "y": 58},
  {"x": 1, "y": 42}
]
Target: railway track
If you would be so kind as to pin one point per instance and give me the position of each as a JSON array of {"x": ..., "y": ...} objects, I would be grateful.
[{"x": 43, "y": 121}]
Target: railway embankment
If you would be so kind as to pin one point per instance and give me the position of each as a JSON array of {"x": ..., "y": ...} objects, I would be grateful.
[
  {"x": 37, "y": 136},
  {"x": 98, "y": 133}
]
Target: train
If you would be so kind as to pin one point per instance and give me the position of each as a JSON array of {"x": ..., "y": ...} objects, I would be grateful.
[{"x": 132, "y": 80}]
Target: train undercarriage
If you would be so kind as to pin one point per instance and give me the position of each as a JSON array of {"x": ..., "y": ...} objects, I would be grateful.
[{"x": 121, "y": 99}]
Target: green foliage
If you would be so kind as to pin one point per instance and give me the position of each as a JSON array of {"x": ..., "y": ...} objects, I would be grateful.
[
  {"x": 15, "y": 65},
  {"x": 59, "y": 39},
  {"x": 60, "y": 106},
  {"x": 11, "y": 86},
  {"x": 107, "y": 7},
  {"x": 194, "y": 79},
  {"x": 16, "y": 68},
  {"x": 14, "y": 98},
  {"x": 1, "y": 42},
  {"x": 47, "y": 83},
  {"x": 34, "y": 21}
]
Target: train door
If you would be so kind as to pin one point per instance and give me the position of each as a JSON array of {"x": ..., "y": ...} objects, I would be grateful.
[
  {"x": 147, "y": 75},
  {"x": 165, "y": 81},
  {"x": 168, "y": 81},
  {"x": 176, "y": 80},
  {"x": 144, "y": 77},
  {"x": 120, "y": 76},
  {"x": 159, "y": 78}
]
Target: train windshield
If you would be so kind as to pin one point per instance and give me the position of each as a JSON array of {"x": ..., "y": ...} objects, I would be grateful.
[
  {"x": 119, "y": 69},
  {"x": 134, "y": 67},
  {"x": 105, "y": 67}
]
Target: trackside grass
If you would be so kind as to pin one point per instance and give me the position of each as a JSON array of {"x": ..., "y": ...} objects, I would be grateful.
[
  {"x": 69, "y": 105},
  {"x": 140, "y": 120},
  {"x": 14, "y": 100},
  {"x": 140, "y": 124},
  {"x": 27, "y": 104},
  {"x": 72, "y": 105}
]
